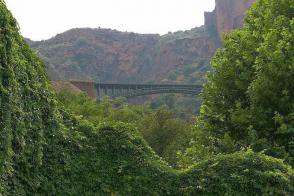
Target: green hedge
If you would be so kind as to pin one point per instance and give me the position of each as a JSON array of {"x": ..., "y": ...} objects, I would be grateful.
[{"x": 46, "y": 151}]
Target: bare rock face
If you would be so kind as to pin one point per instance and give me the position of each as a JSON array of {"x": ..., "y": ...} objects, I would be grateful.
[{"x": 228, "y": 15}]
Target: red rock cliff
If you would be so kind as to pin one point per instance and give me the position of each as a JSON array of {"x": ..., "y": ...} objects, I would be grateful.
[{"x": 228, "y": 15}]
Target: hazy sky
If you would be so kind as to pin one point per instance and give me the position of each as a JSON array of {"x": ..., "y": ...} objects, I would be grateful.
[{"x": 42, "y": 19}]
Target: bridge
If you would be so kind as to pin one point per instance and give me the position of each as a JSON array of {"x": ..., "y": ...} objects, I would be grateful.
[
  {"x": 98, "y": 90},
  {"x": 135, "y": 90}
]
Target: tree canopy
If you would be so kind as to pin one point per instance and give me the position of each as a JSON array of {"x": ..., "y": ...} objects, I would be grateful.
[{"x": 249, "y": 97}]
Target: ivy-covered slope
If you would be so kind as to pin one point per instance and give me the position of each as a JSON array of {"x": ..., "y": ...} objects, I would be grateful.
[{"x": 44, "y": 150}]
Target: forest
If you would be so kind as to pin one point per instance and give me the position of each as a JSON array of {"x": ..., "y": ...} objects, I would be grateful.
[{"x": 241, "y": 143}]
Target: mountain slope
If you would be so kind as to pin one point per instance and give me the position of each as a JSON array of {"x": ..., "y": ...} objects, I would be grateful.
[{"x": 112, "y": 56}]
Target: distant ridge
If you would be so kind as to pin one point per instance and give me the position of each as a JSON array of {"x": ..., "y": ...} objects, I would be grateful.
[{"x": 107, "y": 55}]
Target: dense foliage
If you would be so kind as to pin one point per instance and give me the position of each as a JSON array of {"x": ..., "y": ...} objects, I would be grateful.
[
  {"x": 161, "y": 128},
  {"x": 45, "y": 150},
  {"x": 248, "y": 101}
]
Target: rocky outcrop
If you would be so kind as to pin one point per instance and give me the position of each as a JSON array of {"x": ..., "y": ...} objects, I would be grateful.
[
  {"x": 228, "y": 15},
  {"x": 64, "y": 85},
  {"x": 87, "y": 87}
]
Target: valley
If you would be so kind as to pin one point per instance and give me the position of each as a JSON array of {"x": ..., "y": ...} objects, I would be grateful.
[{"x": 110, "y": 56}]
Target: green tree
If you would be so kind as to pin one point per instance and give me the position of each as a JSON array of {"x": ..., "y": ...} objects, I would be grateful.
[
  {"x": 163, "y": 131},
  {"x": 249, "y": 97},
  {"x": 166, "y": 134}
]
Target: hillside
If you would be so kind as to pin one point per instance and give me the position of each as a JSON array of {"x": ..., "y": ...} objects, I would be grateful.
[{"x": 111, "y": 56}]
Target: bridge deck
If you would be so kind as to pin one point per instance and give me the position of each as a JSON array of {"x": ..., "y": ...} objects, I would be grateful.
[
  {"x": 98, "y": 90},
  {"x": 133, "y": 90}
]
